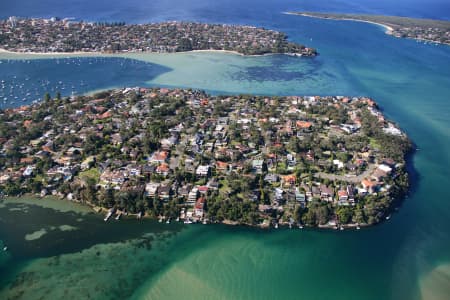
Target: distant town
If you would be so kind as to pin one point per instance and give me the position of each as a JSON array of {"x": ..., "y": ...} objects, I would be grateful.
[
  {"x": 183, "y": 155},
  {"x": 66, "y": 36},
  {"x": 426, "y": 30}
]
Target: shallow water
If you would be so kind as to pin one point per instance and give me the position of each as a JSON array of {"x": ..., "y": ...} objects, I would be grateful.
[{"x": 404, "y": 258}]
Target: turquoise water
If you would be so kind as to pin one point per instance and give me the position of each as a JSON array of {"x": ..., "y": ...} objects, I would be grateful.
[{"x": 404, "y": 258}]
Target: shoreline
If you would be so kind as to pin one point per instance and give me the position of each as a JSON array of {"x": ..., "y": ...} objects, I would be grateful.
[
  {"x": 100, "y": 211},
  {"x": 120, "y": 54},
  {"x": 388, "y": 28}
]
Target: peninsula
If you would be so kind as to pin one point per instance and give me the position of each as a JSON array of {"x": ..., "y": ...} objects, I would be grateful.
[
  {"x": 435, "y": 31},
  {"x": 184, "y": 155},
  {"x": 65, "y": 36}
]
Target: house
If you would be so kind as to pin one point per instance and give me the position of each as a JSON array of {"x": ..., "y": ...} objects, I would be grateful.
[
  {"x": 202, "y": 171},
  {"x": 203, "y": 189},
  {"x": 4, "y": 178},
  {"x": 116, "y": 177},
  {"x": 163, "y": 169},
  {"x": 87, "y": 163},
  {"x": 189, "y": 165},
  {"x": 116, "y": 139},
  {"x": 192, "y": 197},
  {"x": 164, "y": 192},
  {"x": 159, "y": 157},
  {"x": 343, "y": 197},
  {"x": 213, "y": 184},
  {"x": 338, "y": 163},
  {"x": 315, "y": 191},
  {"x": 199, "y": 207},
  {"x": 151, "y": 189},
  {"x": 271, "y": 178},
  {"x": 303, "y": 125},
  {"x": 257, "y": 165},
  {"x": 326, "y": 193},
  {"x": 26, "y": 160},
  {"x": 289, "y": 180},
  {"x": 291, "y": 160},
  {"x": 28, "y": 171},
  {"x": 369, "y": 185},
  {"x": 279, "y": 194},
  {"x": 307, "y": 190},
  {"x": 74, "y": 151},
  {"x": 300, "y": 197},
  {"x": 148, "y": 169},
  {"x": 184, "y": 191},
  {"x": 169, "y": 142},
  {"x": 385, "y": 168},
  {"x": 379, "y": 174},
  {"x": 134, "y": 170},
  {"x": 221, "y": 166},
  {"x": 265, "y": 208},
  {"x": 350, "y": 193}
]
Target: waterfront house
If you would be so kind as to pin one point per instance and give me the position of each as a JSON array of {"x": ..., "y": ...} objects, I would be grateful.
[
  {"x": 151, "y": 189},
  {"x": 192, "y": 197},
  {"x": 198, "y": 207},
  {"x": 326, "y": 193},
  {"x": 342, "y": 197}
]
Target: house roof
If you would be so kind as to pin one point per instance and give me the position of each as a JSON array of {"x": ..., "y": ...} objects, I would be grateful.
[
  {"x": 289, "y": 178},
  {"x": 163, "y": 168},
  {"x": 342, "y": 193},
  {"x": 303, "y": 124}
]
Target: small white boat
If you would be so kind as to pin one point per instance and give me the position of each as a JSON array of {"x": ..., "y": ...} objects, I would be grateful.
[
  {"x": 5, "y": 248},
  {"x": 118, "y": 216},
  {"x": 168, "y": 221},
  {"x": 108, "y": 216},
  {"x": 300, "y": 226},
  {"x": 358, "y": 228},
  {"x": 341, "y": 228},
  {"x": 276, "y": 225},
  {"x": 187, "y": 221},
  {"x": 388, "y": 217}
]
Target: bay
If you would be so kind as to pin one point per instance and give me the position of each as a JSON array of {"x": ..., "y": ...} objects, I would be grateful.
[{"x": 404, "y": 258}]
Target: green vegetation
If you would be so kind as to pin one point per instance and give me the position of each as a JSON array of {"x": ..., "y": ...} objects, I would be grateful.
[
  {"x": 318, "y": 161},
  {"x": 436, "y": 31}
]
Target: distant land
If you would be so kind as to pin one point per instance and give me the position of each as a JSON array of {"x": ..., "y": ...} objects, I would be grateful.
[
  {"x": 66, "y": 36},
  {"x": 435, "y": 31}
]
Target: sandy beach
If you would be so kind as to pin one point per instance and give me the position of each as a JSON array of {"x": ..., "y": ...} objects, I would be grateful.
[
  {"x": 6, "y": 54},
  {"x": 388, "y": 28}
]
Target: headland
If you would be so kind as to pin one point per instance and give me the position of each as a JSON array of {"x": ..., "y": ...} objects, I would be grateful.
[
  {"x": 65, "y": 36},
  {"x": 427, "y": 30},
  {"x": 184, "y": 155}
]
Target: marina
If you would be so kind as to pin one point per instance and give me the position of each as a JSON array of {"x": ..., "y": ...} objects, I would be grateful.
[{"x": 26, "y": 81}]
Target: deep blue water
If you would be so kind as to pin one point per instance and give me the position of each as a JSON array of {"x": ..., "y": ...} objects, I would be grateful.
[
  {"x": 228, "y": 11},
  {"x": 410, "y": 80}
]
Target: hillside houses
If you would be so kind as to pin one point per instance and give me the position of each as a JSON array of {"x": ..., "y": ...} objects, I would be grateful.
[
  {"x": 54, "y": 35},
  {"x": 221, "y": 160}
]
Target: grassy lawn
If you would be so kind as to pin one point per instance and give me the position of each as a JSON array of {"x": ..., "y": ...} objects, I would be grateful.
[
  {"x": 91, "y": 173},
  {"x": 374, "y": 143}
]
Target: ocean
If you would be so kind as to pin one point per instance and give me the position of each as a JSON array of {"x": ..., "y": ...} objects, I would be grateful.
[{"x": 57, "y": 250}]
